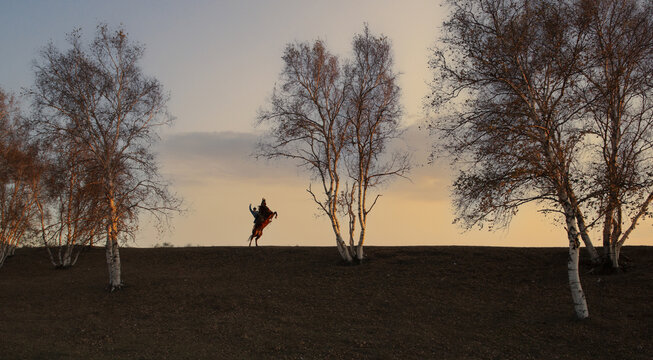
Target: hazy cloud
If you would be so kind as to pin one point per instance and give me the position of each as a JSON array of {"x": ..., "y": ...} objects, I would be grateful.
[
  {"x": 427, "y": 180},
  {"x": 191, "y": 158}
]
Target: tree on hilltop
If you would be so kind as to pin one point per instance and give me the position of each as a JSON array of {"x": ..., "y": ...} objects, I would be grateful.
[
  {"x": 97, "y": 101},
  {"x": 552, "y": 104},
  {"x": 517, "y": 134},
  {"x": 336, "y": 118}
]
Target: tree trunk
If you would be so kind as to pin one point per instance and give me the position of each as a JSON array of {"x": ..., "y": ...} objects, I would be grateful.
[
  {"x": 591, "y": 250},
  {"x": 113, "y": 263},
  {"x": 615, "y": 250},
  {"x": 582, "y": 227},
  {"x": 343, "y": 250},
  {"x": 340, "y": 243},
  {"x": 614, "y": 256},
  {"x": 614, "y": 239},
  {"x": 112, "y": 251},
  {"x": 359, "y": 253},
  {"x": 607, "y": 232},
  {"x": 361, "y": 240},
  {"x": 577, "y": 294},
  {"x": 67, "y": 258},
  {"x": 619, "y": 242},
  {"x": 3, "y": 253}
]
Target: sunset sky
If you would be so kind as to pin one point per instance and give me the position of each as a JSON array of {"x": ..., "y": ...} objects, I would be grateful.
[{"x": 220, "y": 61}]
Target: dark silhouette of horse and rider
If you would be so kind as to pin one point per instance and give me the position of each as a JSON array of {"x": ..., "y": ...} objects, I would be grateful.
[{"x": 262, "y": 217}]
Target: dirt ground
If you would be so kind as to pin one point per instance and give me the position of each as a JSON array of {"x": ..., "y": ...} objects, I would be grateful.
[{"x": 302, "y": 303}]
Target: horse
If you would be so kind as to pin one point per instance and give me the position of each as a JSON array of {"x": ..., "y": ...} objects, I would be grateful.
[{"x": 262, "y": 218}]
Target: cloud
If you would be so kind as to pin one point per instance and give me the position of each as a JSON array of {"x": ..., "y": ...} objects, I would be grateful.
[
  {"x": 196, "y": 158},
  {"x": 191, "y": 158},
  {"x": 428, "y": 180}
]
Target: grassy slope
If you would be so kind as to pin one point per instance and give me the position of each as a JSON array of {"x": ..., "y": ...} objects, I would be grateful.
[{"x": 269, "y": 302}]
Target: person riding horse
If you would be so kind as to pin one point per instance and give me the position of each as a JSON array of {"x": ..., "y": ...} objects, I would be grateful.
[{"x": 262, "y": 217}]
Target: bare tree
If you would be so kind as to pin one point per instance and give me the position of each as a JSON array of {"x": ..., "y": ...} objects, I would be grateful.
[
  {"x": 69, "y": 210},
  {"x": 307, "y": 125},
  {"x": 373, "y": 110},
  {"x": 19, "y": 178},
  {"x": 618, "y": 87},
  {"x": 97, "y": 99},
  {"x": 516, "y": 134},
  {"x": 336, "y": 119}
]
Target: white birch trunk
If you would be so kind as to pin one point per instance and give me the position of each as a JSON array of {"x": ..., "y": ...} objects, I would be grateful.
[
  {"x": 109, "y": 256},
  {"x": 359, "y": 253},
  {"x": 614, "y": 255},
  {"x": 607, "y": 231},
  {"x": 66, "y": 261},
  {"x": 582, "y": 228},
  {"x": 112, "y": 250},
  {"x": 595, "y": 258},
  {"x": 359, "y": 249},
  {"x": 577, "y": 294},
  {"x": 591, "y": 250},
  {"x": 113, "y": 263},
  {"x": 116, "y": 281},
  {"x": 340, "y": 243},
  {"x": 342, "y": 249}
]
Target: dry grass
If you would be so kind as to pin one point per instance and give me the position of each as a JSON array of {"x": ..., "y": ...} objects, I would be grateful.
[{"x": 283, "y": 302}]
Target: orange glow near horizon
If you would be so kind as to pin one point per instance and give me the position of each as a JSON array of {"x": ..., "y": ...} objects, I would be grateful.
[{"x": 220, "y": 61}]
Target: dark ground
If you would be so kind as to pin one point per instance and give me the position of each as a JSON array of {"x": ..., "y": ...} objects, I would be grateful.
[{"x": 295, "y": 302}]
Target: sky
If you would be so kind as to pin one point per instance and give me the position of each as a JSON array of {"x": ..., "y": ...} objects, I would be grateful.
[{"x": 220, "y": 61}]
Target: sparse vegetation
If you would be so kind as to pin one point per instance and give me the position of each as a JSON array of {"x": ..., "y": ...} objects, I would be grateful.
[
  {"x": 166, "y": 245},
  {"x": 290, "y": 302}
]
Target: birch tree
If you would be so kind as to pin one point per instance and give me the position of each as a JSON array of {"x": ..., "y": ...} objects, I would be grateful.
[
  {"x": 69, "y": 211},
  {"x": 335, "y": 118},
  {"x": 97, "y": 99},
  {"x": 618, "y": 88},
  {"x": 373, "y": 111},
  {"x": 19, "y": 178},
  {"x": 507, "y": 70}
]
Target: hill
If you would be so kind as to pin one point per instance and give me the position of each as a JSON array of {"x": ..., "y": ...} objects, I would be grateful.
[{"x": 296, "y": 302}]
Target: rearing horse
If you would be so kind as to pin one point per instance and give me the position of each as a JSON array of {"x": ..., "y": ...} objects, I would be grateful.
[{"x": 262, "y": 218}]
